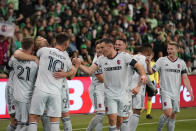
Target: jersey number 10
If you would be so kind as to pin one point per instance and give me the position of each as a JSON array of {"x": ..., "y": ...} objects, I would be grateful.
[{"x": 53, "y": 63}]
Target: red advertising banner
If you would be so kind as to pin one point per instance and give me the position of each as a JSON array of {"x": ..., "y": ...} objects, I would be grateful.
[{"x": 80, "y": 101}]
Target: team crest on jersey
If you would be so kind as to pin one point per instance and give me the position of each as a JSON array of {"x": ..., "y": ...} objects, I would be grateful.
[
  {"x": 99, "y": 105},
  {"x": 118, "y": 62},
  {"x": 165, "y": 103},
  {"x": 178, "y": 65}
]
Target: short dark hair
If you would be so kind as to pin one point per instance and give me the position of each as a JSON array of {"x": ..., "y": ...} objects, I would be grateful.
[
  {"x": 121, "y": 39},
  {"x": 61, "y": 38},
  {"x": 107, "y": 41},
  {"x": 98, "y": 42},
  {"x": 27, "y": 43}
]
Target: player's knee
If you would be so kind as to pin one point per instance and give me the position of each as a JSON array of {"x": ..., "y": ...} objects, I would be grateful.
[
  {"x": 137, "y": 111},
  {"x": 112, "y": 120},
  {"x": 65, "y": 114},
  {"x": 54, "y": 119},
  {"x": 34, "y": 118},
  {"x": 173, "y": 116},
  {"x": 149, "y": 98}
]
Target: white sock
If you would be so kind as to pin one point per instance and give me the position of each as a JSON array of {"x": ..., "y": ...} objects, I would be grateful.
[
  {"x": 124, "y": 126},
  {"x": 96, "y": 121},
  {"x": 171, "y": 124},
  {"x": 133, "y": 122},
  {"x": 32, "y": 126},
  {"x": 162, "y": 121},
  {"x": 112, "y": 128},
  {"x": 11, "y": 127},
  {"x": 67, "y": 123},
  {"x": 45, "y": 122},
  {"x": 54, "y": 126}
]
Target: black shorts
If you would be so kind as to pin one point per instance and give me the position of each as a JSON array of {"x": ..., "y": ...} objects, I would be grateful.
[{"x": 149, "y": 91}]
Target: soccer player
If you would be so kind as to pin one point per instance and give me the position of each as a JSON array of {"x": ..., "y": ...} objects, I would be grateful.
[
  {"x": 138, "y": 98},
  {"x": 47, "y": 95},
  {"x": 23, "y": 84},
  {"x": 171, "y": 69},
  {"x": 96, "y": 92},
  {"x": 114, "y": 66}
]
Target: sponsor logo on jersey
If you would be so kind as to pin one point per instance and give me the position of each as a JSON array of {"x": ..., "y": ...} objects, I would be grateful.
[
  {"x": 113, "y": 68},
  {"x": 173, "y": 70},
  {"x": 166, "y": 65},
  {"x": 106, "y": 63}
]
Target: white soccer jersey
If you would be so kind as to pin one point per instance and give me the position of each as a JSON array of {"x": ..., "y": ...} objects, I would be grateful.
[
  {"x": 170, "y": 76},
  {"x": 135, "y": 78},
  {"x": 24, "y": 78},
  {"x": 95, "y": 80},
  {"x": 10, "y": 79},
  {"x": 115, "y": 73},
  {"x": 51, "y": 60}
]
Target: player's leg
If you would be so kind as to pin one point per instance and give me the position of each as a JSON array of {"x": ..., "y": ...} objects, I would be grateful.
[
  {"x": 167, "y": 112},
  {"x": 38, "y": 104},
  {"x": 11, "y": 109},
  {"x": 138, "y": 104},
  {"x": 111, "y": 110},
  {"x": 24, "y": 112},
  {"x": 97, "y": 98},
  {"x": 13, "y": 123},
  {"x": 45, "y": 122},
  {"x": 54, "y": 111},
  {"x": 66, "y": 121},
  {"x": 65, "y": 110},
  {"x": 123, "y": 112},
  {"x": 171, "y": 121}
]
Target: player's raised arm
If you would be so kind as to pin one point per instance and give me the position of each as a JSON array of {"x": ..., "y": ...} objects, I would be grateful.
[
  {"x": 149, "y": 68},
  {"x": 19, "y": 54},
  {"x": 187, "y": 85}
]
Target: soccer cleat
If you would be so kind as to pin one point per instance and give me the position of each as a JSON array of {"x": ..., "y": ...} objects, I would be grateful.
[{"x": 148, "y": 117}]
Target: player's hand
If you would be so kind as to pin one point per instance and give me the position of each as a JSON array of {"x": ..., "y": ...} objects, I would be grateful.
[
  {"x": 76, "y": 62},
  {"x": 60, "y": 74},
  {"x": 143, "y": 79},
  {"x": 135, "y": 90},
  {"x": 148, "y": 59}
]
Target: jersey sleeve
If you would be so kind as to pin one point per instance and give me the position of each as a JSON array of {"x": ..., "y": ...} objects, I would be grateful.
[
  {"x": 130, "y": 59},
  {"x": 11, "y": 62},
  {"x": 157, "y": 65},
  {"x": 183, "y": 68},
  {"x": 98, "y": 62},
  {"x": 40, "y": 51}
]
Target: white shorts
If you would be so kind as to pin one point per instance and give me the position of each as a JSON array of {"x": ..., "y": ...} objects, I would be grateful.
[
  {"x": 119, "y": 106},
  {"x": 42, "y": 101},
  {"x": 138, "y": 101},
  {"x": 22, "y": 111},
  {"x": 167, "y": 102},
  {"x": 9, "y": 100},
  {"x": 97, "y": 97},
  {"x": 65, "y": 99}
]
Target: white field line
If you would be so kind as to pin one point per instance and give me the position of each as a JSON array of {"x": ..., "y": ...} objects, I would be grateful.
[{"x": 150, "y": 123}]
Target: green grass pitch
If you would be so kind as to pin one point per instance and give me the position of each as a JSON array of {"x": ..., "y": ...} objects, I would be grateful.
[{"x": 186, "y": 121}]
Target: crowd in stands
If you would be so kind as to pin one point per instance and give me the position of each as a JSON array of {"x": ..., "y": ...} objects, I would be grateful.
[{"x": 140, "y": 22}]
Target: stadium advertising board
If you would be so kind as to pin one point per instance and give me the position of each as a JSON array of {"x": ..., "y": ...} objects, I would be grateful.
[{"x": 80, "y": 101}]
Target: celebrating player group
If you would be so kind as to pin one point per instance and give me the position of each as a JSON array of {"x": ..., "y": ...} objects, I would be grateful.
[{"x": 37, "y": 87}]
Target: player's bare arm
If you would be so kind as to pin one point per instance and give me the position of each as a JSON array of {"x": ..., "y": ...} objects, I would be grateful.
[
  {"x": 187, "y": 85},
  {"x": 19, "y": 54},
  {"x": 141, "y": 70},
  {"x": 89, "y": 70},
  {"x": 149, "y": 68},
  {"x": 136, "y": 90},
  {"x": 100, "y": 78}
]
